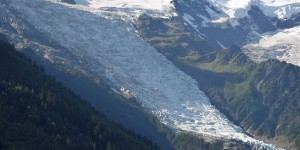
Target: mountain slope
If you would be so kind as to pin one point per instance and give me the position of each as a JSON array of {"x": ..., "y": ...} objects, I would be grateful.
[
  {"x": 103, "y": 44},
  {"x": 37, "y": 112},
  {"x": 243, "y": 21},
  {"x": 262, "y": 98},
  {"x": 282, "y": 45},
  {"x": 227, "y": 22},
  {"x": 265, "y": 101},
  {"x": 234, "y": 9},
  {"x": 229, "y": 77},
  {"x": 219, "y": 24},
  {"x": 106, "y": 46}
]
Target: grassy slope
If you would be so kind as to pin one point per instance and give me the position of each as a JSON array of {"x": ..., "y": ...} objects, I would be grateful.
[{"x": 262, "y": 98}]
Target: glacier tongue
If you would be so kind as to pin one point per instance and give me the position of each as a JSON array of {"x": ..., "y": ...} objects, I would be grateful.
[{"x": 111, "y": 49}]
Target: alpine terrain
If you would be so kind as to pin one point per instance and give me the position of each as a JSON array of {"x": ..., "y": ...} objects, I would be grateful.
[{"x": 186, "y": 74}]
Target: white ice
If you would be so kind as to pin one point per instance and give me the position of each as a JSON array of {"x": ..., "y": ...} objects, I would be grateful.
[
  {"x": 283, "y": 45},
  {"x": 163, "y": 8},
  {"x": 234, "y": 9}
]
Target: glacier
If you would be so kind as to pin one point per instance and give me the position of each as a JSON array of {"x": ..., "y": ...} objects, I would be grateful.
[
  {"x": 109, "y": 47},
  {"x": 235, "y": 9},
  {"x": 260, "y": 44},
  {"x": 283, "y": 45},
  {"x": 154, "y": 8},
  {"x": 231, "y": 10},
  {"x": 222, "y": 12}
]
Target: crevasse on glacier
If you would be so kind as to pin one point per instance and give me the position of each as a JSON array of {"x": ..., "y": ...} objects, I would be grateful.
[{"x": 111, "y": 49}]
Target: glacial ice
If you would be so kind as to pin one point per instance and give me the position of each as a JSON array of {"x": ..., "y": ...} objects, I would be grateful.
[
  {"x": 155, "y": 8},
  {"x": 111, "y": 49},
  {"x": 283, "y": 45},
  {"x": 233, "y": 9}
]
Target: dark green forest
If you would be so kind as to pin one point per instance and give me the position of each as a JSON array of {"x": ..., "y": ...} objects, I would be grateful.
[{"x": 37, "y": 112}]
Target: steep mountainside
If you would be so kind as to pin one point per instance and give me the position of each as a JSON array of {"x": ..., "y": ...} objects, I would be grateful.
[
  {"x": 108, "y": 48},
  {"x": 107, "y": 51},
  {"x": 227, "y": 22},
  {"x": 37, "y": 112},
  {"x": 263, "y": 98},
  {"x": 117, "y": 43},
  {"x": 231, "y": 80}
]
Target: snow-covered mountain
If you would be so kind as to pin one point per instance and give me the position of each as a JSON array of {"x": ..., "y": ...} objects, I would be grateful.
[
  {"x": 278, "y": 44},
  {"x": 244, "y": 22},
  {"x": 72, "y": 36},
  {"x": 235, "y": 9},
  {"x": 223, "y": 23},
  {"x": 283, "y": 45},
  {"x": 155, "y": 8}
]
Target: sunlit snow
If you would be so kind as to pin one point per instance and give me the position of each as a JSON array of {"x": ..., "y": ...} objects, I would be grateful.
[
  {"x": 234, "y": 9},
  {"x": 158, "y": 8},
  {"x": 283, "y": 45}
]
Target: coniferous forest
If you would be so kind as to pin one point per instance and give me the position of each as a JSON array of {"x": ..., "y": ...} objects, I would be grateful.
[{"x": 37, "y": 112}]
